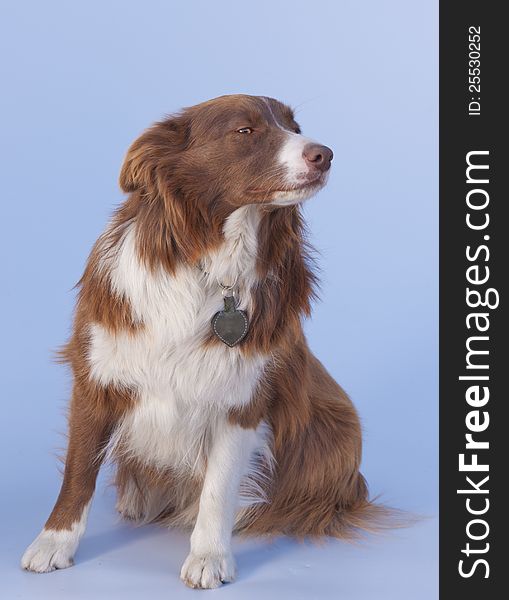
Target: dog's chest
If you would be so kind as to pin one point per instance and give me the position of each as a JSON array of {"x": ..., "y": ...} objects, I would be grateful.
[{"x": 184, "y": 387}]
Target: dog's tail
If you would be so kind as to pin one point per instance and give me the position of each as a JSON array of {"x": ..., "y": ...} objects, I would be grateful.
[
  {"x": 363, "y": 515},
  {"x": 348, "y": 518}
]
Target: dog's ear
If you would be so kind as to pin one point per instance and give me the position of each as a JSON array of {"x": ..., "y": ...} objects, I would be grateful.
[{"x": 155, "y": 148}]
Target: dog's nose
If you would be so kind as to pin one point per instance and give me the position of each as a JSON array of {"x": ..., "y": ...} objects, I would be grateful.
[{"x": 318, "y": 156}]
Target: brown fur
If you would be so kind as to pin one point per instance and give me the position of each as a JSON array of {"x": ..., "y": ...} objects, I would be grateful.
[
  {"x": 316, "y": 488},
  {"x": 184, "y": 179},
  {"x": 160, "y": 496}
]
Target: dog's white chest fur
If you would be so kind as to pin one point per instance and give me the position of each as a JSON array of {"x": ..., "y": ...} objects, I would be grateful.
[{"x": 184, "y": 388}]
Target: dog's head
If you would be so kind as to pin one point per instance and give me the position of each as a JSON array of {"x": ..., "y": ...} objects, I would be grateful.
[{"x": 236, "y": 149}]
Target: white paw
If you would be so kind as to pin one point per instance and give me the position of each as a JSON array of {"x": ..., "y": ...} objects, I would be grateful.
[
  {"x": 49, "y": 551},
  {"x": 208, "y": 570}
]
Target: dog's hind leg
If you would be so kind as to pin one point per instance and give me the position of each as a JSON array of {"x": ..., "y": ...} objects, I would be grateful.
[
  {"x": 131, "y": 498},
  {"x": 148, "y": 495}
]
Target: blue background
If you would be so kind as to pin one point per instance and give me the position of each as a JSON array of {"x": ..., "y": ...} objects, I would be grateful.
[{"x": 80, "y": 80}]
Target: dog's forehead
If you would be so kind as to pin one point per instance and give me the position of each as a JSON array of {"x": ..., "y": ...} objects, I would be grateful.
[
  {"x": 227, "y": 108},
  {"x": 280, "y": 112}
]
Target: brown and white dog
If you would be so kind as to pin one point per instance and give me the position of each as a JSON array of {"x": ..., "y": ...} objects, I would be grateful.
[{"x": 255, "y": 437}]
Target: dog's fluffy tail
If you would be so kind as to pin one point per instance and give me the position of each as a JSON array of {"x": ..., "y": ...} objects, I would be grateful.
[
  {"x": 365, "y": 516},
  {"x": 323, "y": 517}
]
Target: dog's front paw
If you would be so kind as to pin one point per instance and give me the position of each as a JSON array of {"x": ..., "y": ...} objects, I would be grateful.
[
  {"x": 49, "y": 551},
  {"x": 207, "y": 571}
]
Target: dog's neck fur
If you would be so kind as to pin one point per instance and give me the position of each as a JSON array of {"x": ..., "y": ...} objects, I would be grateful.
[
  {"x": 264, "y": 248},
  {"x": 234, "y": 261},
  {"x": 232, "y": 238}
]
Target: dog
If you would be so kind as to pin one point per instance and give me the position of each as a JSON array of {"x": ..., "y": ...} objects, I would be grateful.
[{"x": 191, "y": 372}]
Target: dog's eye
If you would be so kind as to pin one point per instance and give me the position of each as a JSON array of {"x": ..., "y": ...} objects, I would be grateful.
[{"x": 245, "y": 130}]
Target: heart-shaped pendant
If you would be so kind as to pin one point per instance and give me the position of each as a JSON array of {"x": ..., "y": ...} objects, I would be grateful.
[{"x": 230, "y": 325}]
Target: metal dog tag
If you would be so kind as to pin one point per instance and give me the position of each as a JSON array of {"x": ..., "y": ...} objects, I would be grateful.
[{"x": 230, "y": 325}]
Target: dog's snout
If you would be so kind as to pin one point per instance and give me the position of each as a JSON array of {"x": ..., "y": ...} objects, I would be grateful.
[{"x": 318, "y": 156}]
